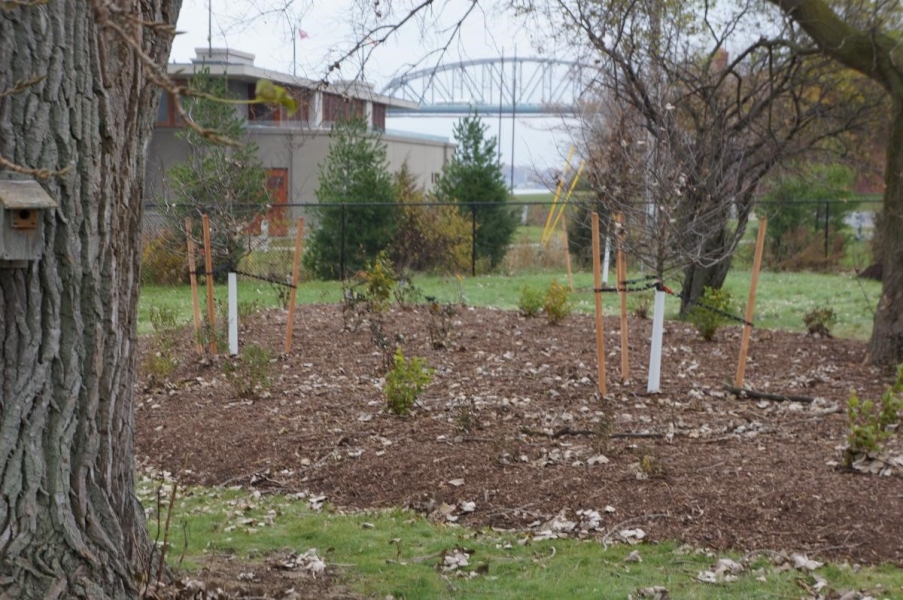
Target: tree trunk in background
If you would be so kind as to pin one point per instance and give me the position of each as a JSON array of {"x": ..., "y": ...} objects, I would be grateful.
[
  {"x": 874, "y": 52},
  {"x": 886, "y": 343},
  {"x": 696, "y": 278},
  {"x": 70, "y": 525}
]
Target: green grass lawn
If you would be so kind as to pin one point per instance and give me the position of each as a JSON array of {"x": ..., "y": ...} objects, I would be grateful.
[
  {"x": 782, "y": 298},
  {"x": 394, "y": 552}
]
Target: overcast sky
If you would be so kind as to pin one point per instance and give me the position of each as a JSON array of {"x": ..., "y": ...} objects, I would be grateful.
[{"x": 268, "y": 34}]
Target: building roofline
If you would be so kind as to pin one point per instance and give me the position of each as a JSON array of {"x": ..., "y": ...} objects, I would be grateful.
[{"x": 239, "y": 65}]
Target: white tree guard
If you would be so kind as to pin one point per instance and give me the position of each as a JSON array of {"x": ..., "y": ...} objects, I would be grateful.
[
  {"x": 655, "y": 349},
  {"x": 233, "y": 314}
]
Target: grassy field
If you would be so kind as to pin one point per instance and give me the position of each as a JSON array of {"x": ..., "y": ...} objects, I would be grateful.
[
  {"x": 396, "y": 553},
  {"x": 781, "y": 302}
]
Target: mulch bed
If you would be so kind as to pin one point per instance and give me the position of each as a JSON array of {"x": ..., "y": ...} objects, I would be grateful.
[{"x": 513, "y": 412}]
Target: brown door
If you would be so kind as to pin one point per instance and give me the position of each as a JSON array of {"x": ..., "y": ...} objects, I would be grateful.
[{"x": 277, "y": 185}]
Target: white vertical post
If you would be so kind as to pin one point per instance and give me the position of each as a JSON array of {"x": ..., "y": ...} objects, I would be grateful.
[
  {"x": 233, "y": 314},
  {"x": 605, "y": 261},
  {"x": 368, "y": 114},
  {"x": 655, "y": 350},
  {"x": 315, "y": 118}
]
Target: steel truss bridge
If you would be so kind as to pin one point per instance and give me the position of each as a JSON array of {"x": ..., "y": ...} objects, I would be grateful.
[{"x": 521, "y": 86}]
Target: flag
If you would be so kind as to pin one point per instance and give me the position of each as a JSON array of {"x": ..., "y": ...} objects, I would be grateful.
[{"x": 302, "y": 34}]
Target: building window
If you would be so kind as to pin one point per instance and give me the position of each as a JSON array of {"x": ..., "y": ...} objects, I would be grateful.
[
  {"x": 303, "y": 99},
  {"x": 379, "y": 117},
  {"x": 164, "y": 111},
  {"x": 262, "y": 112},
  {"x": 167, "y": 115},
  {"x": 276, "y": 113},
  {"x": 336, "y": 108}
]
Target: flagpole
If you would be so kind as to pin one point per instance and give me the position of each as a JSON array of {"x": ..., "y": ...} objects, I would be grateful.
[
  {"x": 210, "y": 28},
  {"x": 294, "y": 52}
]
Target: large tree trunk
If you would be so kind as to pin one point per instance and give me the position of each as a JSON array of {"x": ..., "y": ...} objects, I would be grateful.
[
  {"x": 873, "y": 52},
  {"x": 70, "y": 525},
  {"x": 722, "y": 244},
  {"x": 696, "y": 278},
  {"x": 886, "y": 344}
]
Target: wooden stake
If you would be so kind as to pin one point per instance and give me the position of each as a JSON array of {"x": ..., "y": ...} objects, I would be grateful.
[
  {"x": 208, "y": 262},
  {"x": 750, "y": 305},
  {"x": 597, "y": 282},
  {"x": 567, "y": 253},
  {"x": 193, "y": 278},
  {"x": 294, "y": 294},
  {"x": 621, "y": 271}
]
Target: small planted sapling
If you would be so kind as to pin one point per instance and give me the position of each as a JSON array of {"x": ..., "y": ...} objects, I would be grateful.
[{"x": 405, "y": 382}]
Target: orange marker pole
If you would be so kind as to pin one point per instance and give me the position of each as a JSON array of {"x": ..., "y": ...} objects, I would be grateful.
[
  {"x": 299, "y": 234},
  {"x": 750, "y": 305},
  {"x": 597, "y": 282},
  {"x": 208, "y": 262},
  {"x": 193, "y": 278}
]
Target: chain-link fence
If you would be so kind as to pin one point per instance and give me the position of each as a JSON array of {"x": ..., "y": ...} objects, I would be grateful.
[{"x": 338, "y": 240}]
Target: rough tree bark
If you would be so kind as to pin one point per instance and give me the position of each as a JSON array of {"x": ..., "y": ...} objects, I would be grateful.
[
  {"x": 70, "y": 525},
  {"x": 717, "y": 252},
  {"x": 697, "y": 277},
  {"x": 879, "y": 56},
  {"x": 886, "y": 343}
]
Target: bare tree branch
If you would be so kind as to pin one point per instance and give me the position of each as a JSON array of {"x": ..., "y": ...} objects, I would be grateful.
[
  {"x": 679, "y": 135},
  {"x": 36, "y": 173}
]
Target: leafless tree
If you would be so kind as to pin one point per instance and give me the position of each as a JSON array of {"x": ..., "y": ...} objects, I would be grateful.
[
  {"x": 678, "y": 132},
  {"x": 860, "y": 36},
  {"x": 864, "y": 36}
]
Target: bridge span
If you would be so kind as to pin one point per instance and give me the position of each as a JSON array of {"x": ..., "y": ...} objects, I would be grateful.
[{"x": 522, "y": 86}]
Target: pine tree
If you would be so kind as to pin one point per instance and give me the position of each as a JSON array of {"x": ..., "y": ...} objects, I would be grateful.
[
  {"x": 226, "y": 182},
  {"x": 355, "y": 172},
  {"x": 474, "y": 180}
]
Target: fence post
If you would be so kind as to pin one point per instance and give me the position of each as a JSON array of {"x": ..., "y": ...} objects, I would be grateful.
[
  {"x": 342, "y": 246},
  {"x": 473, "y": 240},
  {"x": 827, "y": 223}
]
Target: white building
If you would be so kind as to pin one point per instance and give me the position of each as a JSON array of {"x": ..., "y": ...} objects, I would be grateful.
[{"x": 292, "y": 146}]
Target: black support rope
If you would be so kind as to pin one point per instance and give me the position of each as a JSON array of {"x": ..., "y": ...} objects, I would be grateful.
[
  {"x": 709, "y": 307},
  {"x": 630, "y": 286},
  {"x": 229, "y": 269},
  {"x": 273, "y": 281}
]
